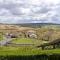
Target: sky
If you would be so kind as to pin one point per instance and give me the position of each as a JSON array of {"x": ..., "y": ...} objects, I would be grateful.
[{"x": 29, "y": 11}]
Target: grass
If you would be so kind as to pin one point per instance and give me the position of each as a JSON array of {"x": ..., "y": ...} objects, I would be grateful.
[
  {"x": 25, "y": 51},
  {"x": 25, "y": 41}
]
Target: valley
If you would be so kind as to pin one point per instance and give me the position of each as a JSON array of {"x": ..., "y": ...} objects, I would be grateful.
[{"x": 17, "y": 37}]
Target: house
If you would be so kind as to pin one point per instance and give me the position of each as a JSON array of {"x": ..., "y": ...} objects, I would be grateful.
[
  {"x": 31, "y": 34},
  {"x": 10, "y": 35}
]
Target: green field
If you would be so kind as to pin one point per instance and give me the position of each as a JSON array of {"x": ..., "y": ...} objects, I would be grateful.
[
  {"x": 26, "y": 41},
  {"x": 24, "y": 51}
]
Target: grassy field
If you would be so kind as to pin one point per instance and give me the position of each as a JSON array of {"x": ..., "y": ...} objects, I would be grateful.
[
  {"x": 24, "y": 51},
  {"x": 26, "y": 41}
]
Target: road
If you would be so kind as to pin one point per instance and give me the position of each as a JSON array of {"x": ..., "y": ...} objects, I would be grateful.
[{"x": 5, "y": 41}]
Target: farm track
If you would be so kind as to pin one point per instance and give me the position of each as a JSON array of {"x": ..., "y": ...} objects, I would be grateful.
[
  {"x": 5, "y": 41},
  {"x": 16, "y": 44}
]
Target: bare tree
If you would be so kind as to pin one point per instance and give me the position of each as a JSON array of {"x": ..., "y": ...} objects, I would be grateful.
[{"x": 48, "y": 35}]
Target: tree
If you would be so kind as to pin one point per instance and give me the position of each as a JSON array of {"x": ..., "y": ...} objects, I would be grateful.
[{"x": 48, "y": 35}]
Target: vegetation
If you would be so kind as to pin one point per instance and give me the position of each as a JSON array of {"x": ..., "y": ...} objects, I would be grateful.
[
  {"x": 28, "y": 41},
  {"x": 24, "y": 41},
  {"x": 24, "y": 51},
  {"x": 44, "y": 33}
]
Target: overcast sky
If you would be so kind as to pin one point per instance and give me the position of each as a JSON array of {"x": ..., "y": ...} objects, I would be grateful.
[{"x": 29, "y": 11}]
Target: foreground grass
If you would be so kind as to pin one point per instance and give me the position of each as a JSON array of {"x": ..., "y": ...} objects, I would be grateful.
[{"x": 25, "y": 51}]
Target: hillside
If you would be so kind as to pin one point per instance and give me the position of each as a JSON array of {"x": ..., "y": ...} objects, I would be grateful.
[
  {"x": 43, "y": 33},
  {"x": 24, "y": 40}
]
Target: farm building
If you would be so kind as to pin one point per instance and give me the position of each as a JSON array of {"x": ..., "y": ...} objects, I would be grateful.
[
  {"x": 10, "y": 35},
  {"x": 31, "y": 34}
]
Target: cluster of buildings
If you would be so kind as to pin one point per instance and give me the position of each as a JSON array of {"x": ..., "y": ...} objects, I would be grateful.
[
  {"x": 14, "y": 31},
  {"x": 24, "y": 34}
]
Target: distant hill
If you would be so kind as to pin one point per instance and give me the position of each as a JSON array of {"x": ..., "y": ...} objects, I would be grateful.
[
  {"x": 33, "y": 24},
  {"x": 37, "y": 24}
]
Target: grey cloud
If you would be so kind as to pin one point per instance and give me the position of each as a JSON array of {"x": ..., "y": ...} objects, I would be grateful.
[
  {"x": 41, "y": 10},
  {"x": 14, "y": 8},
  {"x": 5, "y": 12},
  {"x": 44, "y": 12}
]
